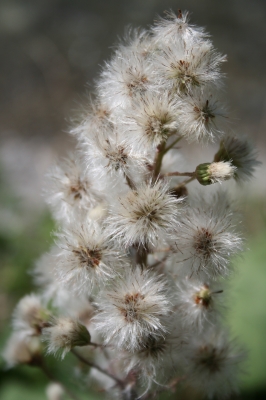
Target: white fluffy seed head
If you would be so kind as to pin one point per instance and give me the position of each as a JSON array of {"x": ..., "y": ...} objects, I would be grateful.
[
  {"x": 198, "y": 303},
  {"x": 200, "y": 116},
  {"x": 30, "y": 315},
  {"x": 63, "y": 334},
  {"x": 96, "y": 120},
  {"x": 86, "y": 258},
  {"x": 206, "y": 240},
  {"x": 241, "y": 154},
  {"x": 115, "y": 158},
  {"x": 145, "y": 215},
  {"x": 213, "y": 364},
  {"x": 127, "y": 75},
  {"x": 152, "y": 119},
  {"x": 182, "y": 69},
  {"x": 132, "y": 309},
  {"x": 175, "y": 27},
  {"x": 69, "y": 191},
  {"x": 22, "y": 350}
]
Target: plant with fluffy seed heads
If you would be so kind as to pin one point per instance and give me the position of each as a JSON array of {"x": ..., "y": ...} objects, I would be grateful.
[{"x": 138, "y": 255}]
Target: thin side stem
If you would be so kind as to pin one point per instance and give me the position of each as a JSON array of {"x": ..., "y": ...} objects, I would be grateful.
[
  {"x": 185, "y": 182},
  {"x": 103, "y": 371},
  {"x": 191, "y": 174},
  {"x": 172, "y": 145},
  {"x": 130, "y": 182},
  {"x": 50, "y": 376}
]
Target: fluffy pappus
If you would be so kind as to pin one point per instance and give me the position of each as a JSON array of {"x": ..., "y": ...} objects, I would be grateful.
[
  {"x": 63, "y": 334},
  {"x": 182, "y": 69},
  {"x": 212, "y": 364},
  {"x": 206, "y": 240},
  {"x": 127, "y": 75},
  {"x": 200, "y": 116},
  {"x": 30, "y": 315},
  {"x": 153, "y": 119},
  {"x": 198, "y": 303},
  {"x": 145, "y": 215},
  {"x": 132, "y": 309},
  {"x": 174, "y": 27},
  {"x": 115, "y": 157},
  {"x": 96, "y": 120},
  {"x": 241, "y": 154},
  {"x": 86, "y": 258},
  {"x": 22, "y": 349},
  {"x": 70, "y": 192}
]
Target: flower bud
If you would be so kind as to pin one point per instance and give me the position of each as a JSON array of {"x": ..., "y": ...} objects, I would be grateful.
[
  {"x": 64, "y": 334},
  {"x": 209, "y": 173}
]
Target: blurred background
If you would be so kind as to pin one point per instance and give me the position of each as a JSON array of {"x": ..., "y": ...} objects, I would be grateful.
[{"x": 50, "y": 52}]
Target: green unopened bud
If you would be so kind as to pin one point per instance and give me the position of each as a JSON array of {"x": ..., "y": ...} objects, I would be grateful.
[
  {"x": 83, "y": 336},
  {"x": 209, "y": 173},
  {"x": 65, "y": 333},
  {"x": 203, "y": 175}
]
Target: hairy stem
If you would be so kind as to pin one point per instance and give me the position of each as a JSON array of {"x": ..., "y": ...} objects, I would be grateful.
[
  {"x": 160, "y": 152},
  {"x": 103, "y": 371}
]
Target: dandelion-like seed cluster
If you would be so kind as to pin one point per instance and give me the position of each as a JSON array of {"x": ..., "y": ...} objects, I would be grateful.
[{"x": 136, "y": 274}]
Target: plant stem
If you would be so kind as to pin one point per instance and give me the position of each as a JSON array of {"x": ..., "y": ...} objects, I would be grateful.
[
  {"x": 103, "y": 371},
  {"x": 172, "y": 145},
  {"x": 191, "y": 174},
  {"x": 185, "y": 182},
  {"x": 158, "y": 160},
  {"x": 130, "y": 182},
  {"x": 50, "y": 376}
]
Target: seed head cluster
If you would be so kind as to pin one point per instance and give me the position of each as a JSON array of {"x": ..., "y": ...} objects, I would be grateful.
[{"x": 136, "y": 274}]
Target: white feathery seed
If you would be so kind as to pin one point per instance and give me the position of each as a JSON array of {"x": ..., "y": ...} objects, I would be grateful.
[
  {"x": 70, "y": 192},
  {"x": 132, "y": 309},
  {"x": 63, "y": 334},
  {"x": 200, "y": 117},
  {"x": 206, "y": 240},
  {"x": 212, "y": 364},
  {"x": 241, "y": 154},
  {"x": 86, "y": 258},
  {"x": 153, "y": 119},
  {"x": 145, "y": 215}
]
